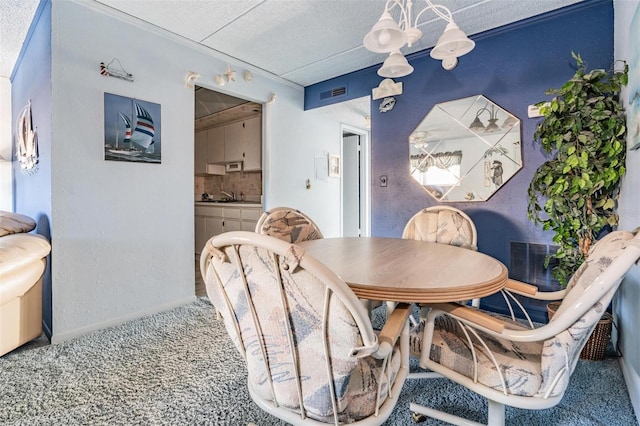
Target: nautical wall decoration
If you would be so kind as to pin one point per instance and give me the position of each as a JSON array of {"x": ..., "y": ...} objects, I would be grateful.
[
  {"x": 387, "y": 104},
  {"x": 131, "y": 130},
  {"x": 110, "y": 70},
  {"x": 27, "y": 142}
]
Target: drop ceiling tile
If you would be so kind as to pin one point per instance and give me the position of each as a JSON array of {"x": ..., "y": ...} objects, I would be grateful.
[
  {"x": 193, "y": 19},
  {"x": 287, "y": 34}
]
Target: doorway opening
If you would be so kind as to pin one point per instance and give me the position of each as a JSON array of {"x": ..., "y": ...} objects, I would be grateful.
[
  {"x": 227, "y": 167},
  {"x": 356, "y": 191}
]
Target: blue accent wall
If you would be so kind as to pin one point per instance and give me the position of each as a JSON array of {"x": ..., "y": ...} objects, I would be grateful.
[
  {"x": 31, "y": 81},
  {"x": 513, "y": 66}
]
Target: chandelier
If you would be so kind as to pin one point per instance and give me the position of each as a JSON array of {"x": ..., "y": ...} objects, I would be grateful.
[{"x": 389, "y": 36}]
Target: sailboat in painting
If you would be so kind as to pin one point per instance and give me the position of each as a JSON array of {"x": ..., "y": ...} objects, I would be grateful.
[
  {"x": 141, "y": 139},
  {"x": 134, "y": 138}
]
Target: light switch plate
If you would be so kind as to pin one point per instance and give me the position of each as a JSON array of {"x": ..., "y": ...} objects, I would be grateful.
[{"x": 383, "y": 180}]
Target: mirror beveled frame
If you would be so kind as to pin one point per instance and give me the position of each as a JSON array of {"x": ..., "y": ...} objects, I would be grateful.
[{"x": 465, "y": 149}]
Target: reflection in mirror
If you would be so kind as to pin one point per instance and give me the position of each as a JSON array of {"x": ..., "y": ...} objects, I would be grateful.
[{"x": 465, "y": 150}]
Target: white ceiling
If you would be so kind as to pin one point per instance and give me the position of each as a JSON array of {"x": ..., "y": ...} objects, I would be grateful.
[{"x": 304, "y": 41}]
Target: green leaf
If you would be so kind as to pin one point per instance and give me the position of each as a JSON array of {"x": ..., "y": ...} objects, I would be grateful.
[{"x": 609, "y": 204}]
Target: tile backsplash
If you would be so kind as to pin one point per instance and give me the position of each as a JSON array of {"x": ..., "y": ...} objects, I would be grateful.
[{"x": 250, "y": 184}]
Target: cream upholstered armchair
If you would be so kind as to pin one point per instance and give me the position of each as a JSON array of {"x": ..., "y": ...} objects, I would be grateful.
[
  {"x": 288, "y": 224},
  {"x": 311, "y": 353},
  {"x": 510, "y": 362},
  {"x": 442, "y": 224},
  {"x": 22, "y": 265}
]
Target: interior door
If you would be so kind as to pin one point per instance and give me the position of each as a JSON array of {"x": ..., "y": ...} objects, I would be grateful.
[{"x": 351, "y": 183}]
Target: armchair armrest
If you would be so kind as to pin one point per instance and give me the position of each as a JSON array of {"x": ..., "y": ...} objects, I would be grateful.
[
  {"x": 393, "y": 328},
  {"x": 531, "y": 291},
  {"x": 490, "y": 324}
]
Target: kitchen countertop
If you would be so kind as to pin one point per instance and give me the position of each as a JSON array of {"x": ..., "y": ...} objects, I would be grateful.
[{"x": 229, "y": 203}]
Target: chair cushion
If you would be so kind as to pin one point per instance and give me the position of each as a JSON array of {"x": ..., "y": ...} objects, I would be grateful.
[
  {"x": 560, "y": 354},
  {"x": 444, "y": 226},
  {"x": 15, "y": 223},
  {"x": 289, "y": 225},
  {"x": 519, "y": 362}
]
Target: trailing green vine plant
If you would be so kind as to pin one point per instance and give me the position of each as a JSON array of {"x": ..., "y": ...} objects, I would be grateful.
[{"x": 575, "y": 193}]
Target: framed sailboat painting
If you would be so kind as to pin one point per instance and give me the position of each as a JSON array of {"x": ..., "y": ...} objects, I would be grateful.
[{"x": 131, "y": 130}]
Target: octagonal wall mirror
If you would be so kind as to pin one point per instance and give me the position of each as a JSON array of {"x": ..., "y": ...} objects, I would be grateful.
[{"x": 465, "y": 149}]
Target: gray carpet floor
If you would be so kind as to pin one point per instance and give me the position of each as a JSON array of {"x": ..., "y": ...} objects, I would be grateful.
[{"x": 179, "y": 368}]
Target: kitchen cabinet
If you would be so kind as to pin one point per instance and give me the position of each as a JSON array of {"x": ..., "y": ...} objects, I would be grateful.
[
  {"x": 212, "y": 220},
  {"x": 200, "y": 152},
  {"x": 234, "y": 141},
  {"x": 215, "y": 151},
  {"x": 253, "y": 144},
  {"x": 238, "y": 141},
  {"x": 209, "y": 148},
  {"x": 243, "y": 142}
]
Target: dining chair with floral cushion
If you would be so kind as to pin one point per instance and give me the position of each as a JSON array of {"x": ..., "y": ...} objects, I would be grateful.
[
  {"x": 311, "y": 353},
  {"x": 288, "y": 224},
  {"x": 444, "y": 225},
  {"x": 515, "y": 362}
]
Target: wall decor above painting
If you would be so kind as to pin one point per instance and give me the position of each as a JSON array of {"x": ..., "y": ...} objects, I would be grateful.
[
  {"x": 465, "y": 149},
  {"x": 116, "y": 70},
  {"x": 131, "y": 130}
]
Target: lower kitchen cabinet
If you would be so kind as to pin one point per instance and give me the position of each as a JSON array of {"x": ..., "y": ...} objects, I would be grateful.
[{"x": 212, "y": 220}]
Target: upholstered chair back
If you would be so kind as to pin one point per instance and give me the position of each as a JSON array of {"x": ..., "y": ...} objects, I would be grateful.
[
  {"x": 563, "y": 350},
  {"x": 304, "y": 335},
  {"x": 288, "y": 224},
  {"x": 442, "y": 224}
]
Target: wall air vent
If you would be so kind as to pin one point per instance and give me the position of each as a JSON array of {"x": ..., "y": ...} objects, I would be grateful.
[{"x": 339, "y": 91}]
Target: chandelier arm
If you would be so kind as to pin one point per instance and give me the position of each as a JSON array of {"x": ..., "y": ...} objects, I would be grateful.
[
  {"x": 434, "y": 7},
  {"x": 405, "y": 18}
]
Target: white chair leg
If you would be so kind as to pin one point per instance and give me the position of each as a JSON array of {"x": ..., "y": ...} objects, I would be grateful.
[
  {"x": 424, "y": 375},
  {"x": 496, "y": 414},
  {"x": 445, "y": 417}
]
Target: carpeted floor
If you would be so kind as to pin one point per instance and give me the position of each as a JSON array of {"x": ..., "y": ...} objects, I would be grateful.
[{"x": 179, "y": 368}]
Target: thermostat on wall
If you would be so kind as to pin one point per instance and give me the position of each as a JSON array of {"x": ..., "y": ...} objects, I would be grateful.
[{"x": 534, "y": 111}]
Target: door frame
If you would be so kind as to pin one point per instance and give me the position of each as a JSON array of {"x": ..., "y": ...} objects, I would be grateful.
[{"x": 365, "y": 178}]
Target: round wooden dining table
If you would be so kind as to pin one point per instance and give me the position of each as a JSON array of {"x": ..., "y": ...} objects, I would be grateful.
[{"x": 399, "y": 270}]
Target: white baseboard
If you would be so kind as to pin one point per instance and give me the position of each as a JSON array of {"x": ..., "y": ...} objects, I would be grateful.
[
  {"x": 632, "y": 380},
  {"x": 59, "y": 338}
]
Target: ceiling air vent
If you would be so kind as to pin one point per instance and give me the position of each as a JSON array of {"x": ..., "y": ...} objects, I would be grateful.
[{"x": 333, "y": 93}]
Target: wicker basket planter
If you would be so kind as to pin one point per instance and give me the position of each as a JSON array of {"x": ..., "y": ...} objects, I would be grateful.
[{"x": 596, "y": 346}]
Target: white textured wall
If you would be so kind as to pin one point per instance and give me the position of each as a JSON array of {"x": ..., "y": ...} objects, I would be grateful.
[
  {"x": 292, "y": 161},
  {"x": 123, "y": 232},
  {"x": 628, "y": 297}
]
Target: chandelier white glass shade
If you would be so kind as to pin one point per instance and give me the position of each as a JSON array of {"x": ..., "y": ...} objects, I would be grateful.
[
  {"x": 389, "y": 36},
  {"x": 396, "y": 65}
]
